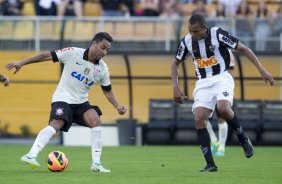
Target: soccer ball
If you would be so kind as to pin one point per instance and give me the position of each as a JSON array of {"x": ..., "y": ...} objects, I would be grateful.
[{"x": 57, "y": 161}]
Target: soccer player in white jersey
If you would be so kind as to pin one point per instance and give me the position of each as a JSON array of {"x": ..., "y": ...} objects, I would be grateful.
[
  {"x": 82, "y": 69},
  {"x": 218, "y": 144},
  {"x": 209, "y": 49},
  {"x": 5, "y": 80}
]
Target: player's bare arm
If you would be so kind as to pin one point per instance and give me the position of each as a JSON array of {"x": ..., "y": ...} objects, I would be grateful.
[
  {"x": 177, "y": 93},
  {"x": 113, "y": 100},
  {"x": 252, "y": 57},
  {"x": 5, "y": 80},
  {"x": 45, "y": 56}
]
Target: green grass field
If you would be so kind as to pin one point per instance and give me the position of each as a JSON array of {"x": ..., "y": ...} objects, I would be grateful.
[{"x": 142, "y": 165}]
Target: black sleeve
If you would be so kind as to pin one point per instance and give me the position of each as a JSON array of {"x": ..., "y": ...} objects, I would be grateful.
[
  {"x": 182, "y": 50},
  {"x": 106, "y": 88},
  {"x": 54, "y": 56},
  {"x": 225, "y": 38}
]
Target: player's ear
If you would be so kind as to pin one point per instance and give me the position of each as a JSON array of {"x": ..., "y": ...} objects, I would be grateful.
[{"x": 93, "y": 43}]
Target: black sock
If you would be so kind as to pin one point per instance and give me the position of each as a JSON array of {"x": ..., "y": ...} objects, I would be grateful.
[
  {"x": 236, "y": 127},
  {"x": 204, "y": 141}
]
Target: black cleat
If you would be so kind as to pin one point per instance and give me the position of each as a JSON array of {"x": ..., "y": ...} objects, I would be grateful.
[
  {"x": 248, "y": 148},
  {"x": 209, "y": 168}
]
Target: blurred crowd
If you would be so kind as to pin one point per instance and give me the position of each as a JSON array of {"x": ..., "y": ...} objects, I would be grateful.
[
  {"x": 164, "y": 8},
  {"x": 250, "y": 15}
]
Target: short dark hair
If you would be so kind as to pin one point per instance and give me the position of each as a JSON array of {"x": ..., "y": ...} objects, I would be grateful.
[
  {"x": 102, "y": 35},
  {"x": 197, "y": 18}
]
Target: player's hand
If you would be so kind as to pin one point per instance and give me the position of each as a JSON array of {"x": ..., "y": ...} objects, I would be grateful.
[
  {"x": 5, "y": 80},
  {"x": 121, "y": 109},
  {"x": 178, "y": 95},
  {"x": 16, "y": 65},
  {"x": 267, "y": 78}
]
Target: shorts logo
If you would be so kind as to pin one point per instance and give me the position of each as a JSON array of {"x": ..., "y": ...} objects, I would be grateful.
[
  {"x": 225, "y": 93},
  {"x": 60, "y": 111},
  {"x": 209, "y": 62}
]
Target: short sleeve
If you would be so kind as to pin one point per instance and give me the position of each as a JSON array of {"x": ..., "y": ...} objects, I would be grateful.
[
  {"x": 225, "y": 38},
  {"x": 63, "y": 55},
  {"x": 182, "y": 50},
  {"x": 105, "y": 79}
]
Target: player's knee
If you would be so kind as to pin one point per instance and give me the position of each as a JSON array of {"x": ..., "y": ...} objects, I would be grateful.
[
  {"x": 200, "y": 120},
  {"x": 57, "y": 124},
  {"x": 225, "y": 112},
  {"x": 94, "y": 122}
]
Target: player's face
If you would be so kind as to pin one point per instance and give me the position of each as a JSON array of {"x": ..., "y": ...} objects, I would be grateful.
[
  {"x": 99, "y": 50},
  {"x": 197, "y": 31}
]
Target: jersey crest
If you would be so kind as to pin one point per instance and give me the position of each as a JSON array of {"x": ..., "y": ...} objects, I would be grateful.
[
  {"x": 86, "y": 71},
  {"x": 212, "y": 47}
]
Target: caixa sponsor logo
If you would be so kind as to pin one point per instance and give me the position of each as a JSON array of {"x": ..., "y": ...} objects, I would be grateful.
[{"x": 82, "y": 78}]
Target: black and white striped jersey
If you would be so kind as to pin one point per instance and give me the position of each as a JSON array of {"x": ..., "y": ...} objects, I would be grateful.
[{"x": 210, "y": 55}]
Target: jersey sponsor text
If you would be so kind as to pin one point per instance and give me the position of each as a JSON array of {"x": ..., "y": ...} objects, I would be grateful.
[
  {"x": 82, "y": 78},
  {"x": 227, "y": 41},
  {"x": 204, "y": 63}
]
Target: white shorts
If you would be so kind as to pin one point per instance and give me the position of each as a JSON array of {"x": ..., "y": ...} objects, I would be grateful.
[{"x": 209, "y": 90}]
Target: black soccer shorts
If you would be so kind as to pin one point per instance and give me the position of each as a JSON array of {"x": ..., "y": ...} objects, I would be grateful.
[{"x": 71, "y": 113}]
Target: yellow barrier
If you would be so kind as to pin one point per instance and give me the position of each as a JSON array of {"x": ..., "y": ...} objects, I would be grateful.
[{"x": 29, "y": 103}]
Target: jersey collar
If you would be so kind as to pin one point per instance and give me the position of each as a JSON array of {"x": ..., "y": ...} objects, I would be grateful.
[{"x": 85, "y": 56}]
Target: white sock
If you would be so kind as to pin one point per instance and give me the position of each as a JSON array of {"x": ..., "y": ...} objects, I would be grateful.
[
  {"x": 222, "y": 135},
  {"x": 41, "y": 140},
  {"x": 211, "y": 132},
  {"x": 96, "y": 144}
]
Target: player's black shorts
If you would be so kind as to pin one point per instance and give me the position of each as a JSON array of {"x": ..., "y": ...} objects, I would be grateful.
[{"x": 71, "y": 113}]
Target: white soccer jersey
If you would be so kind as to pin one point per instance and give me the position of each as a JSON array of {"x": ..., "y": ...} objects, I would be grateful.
[{"x": 78, "y": 75}]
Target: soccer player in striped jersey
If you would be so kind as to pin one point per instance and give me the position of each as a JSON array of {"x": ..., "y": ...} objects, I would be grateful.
[
  {"x": 82, "y": 69},
  {"x": 5, "y": 80},
  {"x": 215, "y": 85}
]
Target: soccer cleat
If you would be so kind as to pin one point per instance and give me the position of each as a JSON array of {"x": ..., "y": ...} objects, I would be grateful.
[
  {"x": 220, "y": 153},
  {"x": 248, "y": 148},
  {"x": 214, "y": 147},
  {"x": 31, "y": 161},
  {"x": 209, "y": 168},
  {"x": 99, "y": 168}
]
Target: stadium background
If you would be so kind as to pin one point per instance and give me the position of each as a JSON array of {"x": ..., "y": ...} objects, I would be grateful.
[
  {"x": 148, "y": 46},
  {"x": 149, "y": 43}
]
